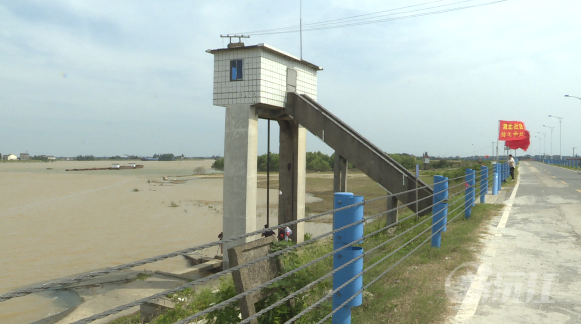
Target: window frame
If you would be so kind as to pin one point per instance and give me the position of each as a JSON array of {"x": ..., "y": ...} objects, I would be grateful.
[{"x": 239, "y": 68}]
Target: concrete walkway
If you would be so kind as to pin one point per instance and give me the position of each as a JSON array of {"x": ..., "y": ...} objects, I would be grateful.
[{"x": 530, "y": 269}]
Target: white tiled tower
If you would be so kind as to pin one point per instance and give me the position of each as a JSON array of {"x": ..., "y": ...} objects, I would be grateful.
[
  {"x": 264, "y": 76},
  {"x": 249, "y": 80}
]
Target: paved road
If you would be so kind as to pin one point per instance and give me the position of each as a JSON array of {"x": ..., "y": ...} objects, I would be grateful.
[{"x": 530, "y": 270}]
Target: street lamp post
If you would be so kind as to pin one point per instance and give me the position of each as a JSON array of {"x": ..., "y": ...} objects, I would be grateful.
[
  {"x": 540, "y": 140},
  {"x": 551, "y": 139},
  {"x": 574, "y": 151},
  {"x": 544, "y": 145},
  {"x": 568, "y": 96},
  {"x": 560, "y": 119}
]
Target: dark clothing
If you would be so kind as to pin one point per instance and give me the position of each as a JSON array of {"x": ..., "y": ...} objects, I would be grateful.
[
  {"x": 512, "y": 172},
  {"x": 268, "y": 233}
]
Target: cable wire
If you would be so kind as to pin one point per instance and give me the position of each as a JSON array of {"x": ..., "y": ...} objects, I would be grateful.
[
  {"x": 221, "y": 273},
  {"x": 374, "y": 20},
  {"x": 311, "y": 263}
]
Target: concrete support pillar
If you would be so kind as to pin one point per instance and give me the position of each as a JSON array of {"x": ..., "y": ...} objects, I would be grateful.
[
  {"x": 340, "y": 179},
  {"x": 292, "y": 173},
  {"x": 391, "y": 215},
  {"x": 240, "y": 152}
]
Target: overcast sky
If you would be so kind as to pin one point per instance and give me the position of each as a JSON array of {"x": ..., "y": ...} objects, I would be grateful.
[{"x": 132, "y": 77}]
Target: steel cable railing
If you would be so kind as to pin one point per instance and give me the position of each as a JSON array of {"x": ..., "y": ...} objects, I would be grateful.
[
  {"x": 93, "y": 274},
  {"x": 224, "y": 272},
  {"x": 381, "y": 275},
  {"x": 304, "y": 289},
  {"x": 307, "y": 287},
  {"x": 378, "y": 277},
  {"x": 102, "y": 272},
  {"x": 136, "y": 303}
]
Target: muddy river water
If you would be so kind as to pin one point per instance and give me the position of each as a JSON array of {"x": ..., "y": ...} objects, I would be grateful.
[{"x": 55, "y": 223}]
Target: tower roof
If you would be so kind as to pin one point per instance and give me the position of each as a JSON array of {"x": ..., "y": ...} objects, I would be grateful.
[{"x": 267, "y": 48}]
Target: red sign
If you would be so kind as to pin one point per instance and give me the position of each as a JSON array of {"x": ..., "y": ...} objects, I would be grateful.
[{"x": 511, "y": 130}]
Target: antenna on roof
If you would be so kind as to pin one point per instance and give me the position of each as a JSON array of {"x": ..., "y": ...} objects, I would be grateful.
[
  {"x": 301, "y": 25},
  {"x": 239, "y": 44}
]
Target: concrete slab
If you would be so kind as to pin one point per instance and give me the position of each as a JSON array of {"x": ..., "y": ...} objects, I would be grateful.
[{"x": 530, "y": 267}]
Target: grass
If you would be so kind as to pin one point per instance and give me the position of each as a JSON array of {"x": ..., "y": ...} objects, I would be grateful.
[
  {"x": 143, "y": 276},
  {"x": 134, "y": 318},
  {"x": 413, "y": 292},
  {"x": 173, "y": 204}
]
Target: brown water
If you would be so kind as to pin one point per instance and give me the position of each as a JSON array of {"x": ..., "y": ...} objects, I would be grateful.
[{"x": 55, "y": 223}]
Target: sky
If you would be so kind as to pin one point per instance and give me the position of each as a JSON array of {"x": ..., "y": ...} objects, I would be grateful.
[{"x": 133, "y": 77}]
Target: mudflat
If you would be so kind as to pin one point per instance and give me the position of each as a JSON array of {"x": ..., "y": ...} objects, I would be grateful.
[{"x": 56, "y": 223}]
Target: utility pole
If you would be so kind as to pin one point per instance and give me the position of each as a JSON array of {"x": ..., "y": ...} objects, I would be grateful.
[
  {"x": 544, "y": 144},
  {"x": 551, "y": 139},
  {"x": 560, "y": 120}
]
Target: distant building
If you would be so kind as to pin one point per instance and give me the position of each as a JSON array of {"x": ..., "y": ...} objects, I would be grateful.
[
  {"x": 24, "y": 156},
  {"x": 10, "y": 157},
  {"x": 51, "y": 158}
]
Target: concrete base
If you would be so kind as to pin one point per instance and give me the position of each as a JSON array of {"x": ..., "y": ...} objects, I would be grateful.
[
  {"x": 240, "y": 152},
  {"x": 253, "y": 275},
  {"x": 152, "y": 309}
]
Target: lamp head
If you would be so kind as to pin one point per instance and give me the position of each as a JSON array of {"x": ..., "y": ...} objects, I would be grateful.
[{"x": 566, "y": 95}]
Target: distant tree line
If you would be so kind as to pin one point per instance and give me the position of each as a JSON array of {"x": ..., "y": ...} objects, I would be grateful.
[
  {"x": 85, "y": 158},
  {"x": 316, "y": 161},
  {"x": 39, "y": 158},
  {"x": 165, "y": 157}
]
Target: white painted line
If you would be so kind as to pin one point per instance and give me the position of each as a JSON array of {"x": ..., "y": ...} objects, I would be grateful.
[
  {"x": 508, "y": 207},
  {"x": 473, "y": 295}
]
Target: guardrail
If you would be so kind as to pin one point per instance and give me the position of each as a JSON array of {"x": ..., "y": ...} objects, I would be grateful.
[{"x": 451, "y": 198}]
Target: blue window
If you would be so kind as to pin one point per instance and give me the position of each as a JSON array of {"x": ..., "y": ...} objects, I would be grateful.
[{"x": 235, "y": 70}]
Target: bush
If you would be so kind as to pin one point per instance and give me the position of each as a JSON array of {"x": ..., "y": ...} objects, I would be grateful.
[
  {"x": 218, "y": 164},
  {"x": 263, "y": 159},
  {"x": 317, "y": 161},
  {"x": 200, "y": 170}
]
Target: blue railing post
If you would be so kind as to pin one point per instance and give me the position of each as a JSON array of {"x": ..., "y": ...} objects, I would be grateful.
[
  {"x": 506, "y": 171},
  {"x": 499, "y": 183},
  {"x": 483, "y": 183},
  {"x": 495, "y": 179},
  {"x": 340, "y": 219},
  {"x": 440, "y": 209},
  {"x": 469, "y": 193}
]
